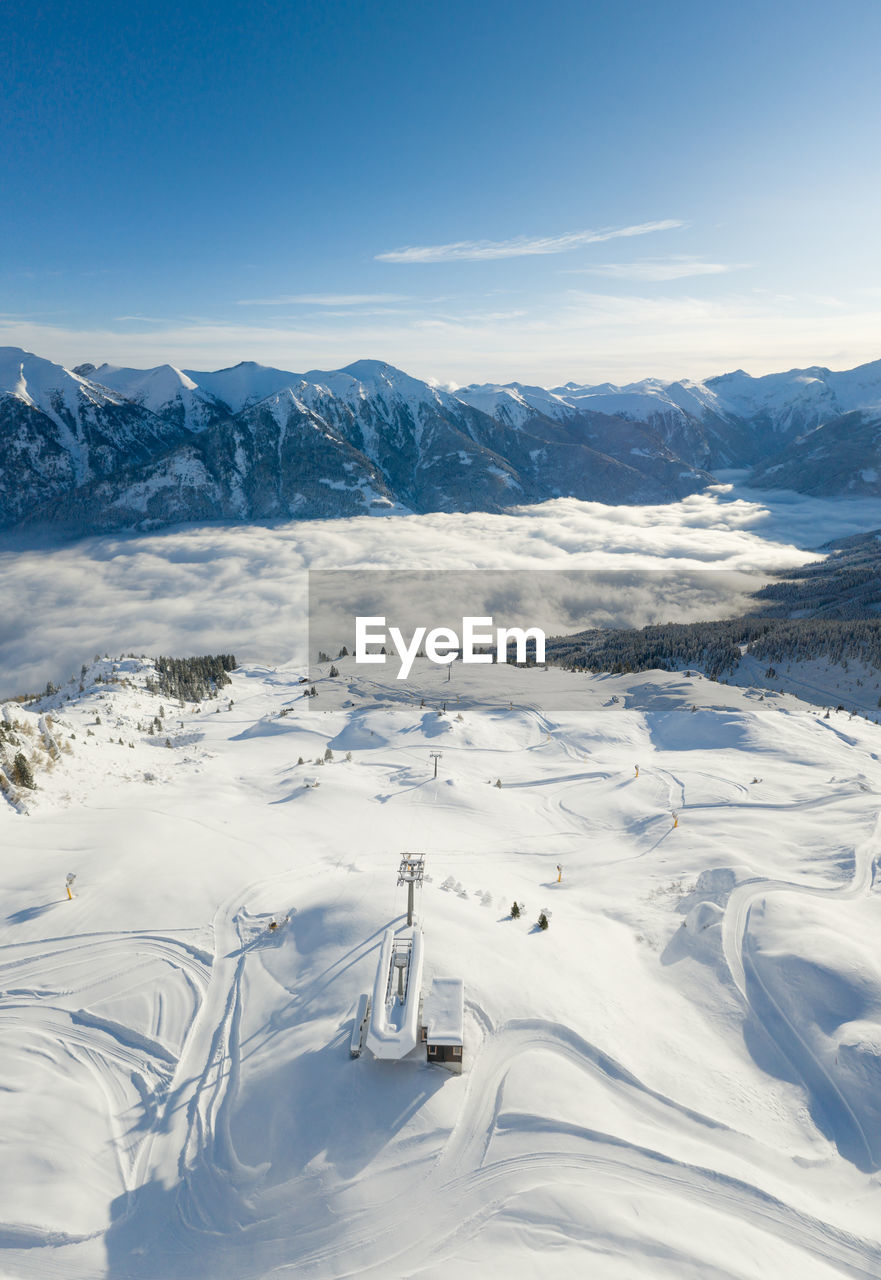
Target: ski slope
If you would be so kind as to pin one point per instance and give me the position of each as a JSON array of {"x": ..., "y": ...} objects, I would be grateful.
[{"x": 679, "y": 1078}]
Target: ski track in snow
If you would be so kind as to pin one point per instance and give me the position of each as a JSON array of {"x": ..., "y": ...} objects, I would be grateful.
[{"x": 410, "y": 1213}]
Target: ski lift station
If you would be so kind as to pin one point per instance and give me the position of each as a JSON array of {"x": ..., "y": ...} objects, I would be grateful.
[{"x": 392, "y": 1021}]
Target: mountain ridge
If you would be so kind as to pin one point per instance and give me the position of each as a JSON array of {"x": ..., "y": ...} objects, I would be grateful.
[{"x": 105, "y": 447}]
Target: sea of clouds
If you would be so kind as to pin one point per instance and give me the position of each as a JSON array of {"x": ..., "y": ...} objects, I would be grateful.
[{"x": 242, "y": 588}]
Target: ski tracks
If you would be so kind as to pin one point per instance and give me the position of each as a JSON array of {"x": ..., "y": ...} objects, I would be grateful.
[{"x": 467, "y": 1185}]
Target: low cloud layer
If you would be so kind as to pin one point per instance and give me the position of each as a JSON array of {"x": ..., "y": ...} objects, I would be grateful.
[{"x": 243, "y": 588}]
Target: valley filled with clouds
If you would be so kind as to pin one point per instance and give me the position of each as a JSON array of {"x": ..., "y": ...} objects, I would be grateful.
[{"x": 242, "y": 588}]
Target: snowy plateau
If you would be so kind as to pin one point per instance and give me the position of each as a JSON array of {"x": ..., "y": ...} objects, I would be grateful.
[{"x": 679, "y": 1077}]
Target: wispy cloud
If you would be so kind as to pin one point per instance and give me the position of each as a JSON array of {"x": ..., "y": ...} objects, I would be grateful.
[
  {"x": 323, "y": 300},
  {"x": 658, "y": 269},
  {"x": 522, "y": 246}
]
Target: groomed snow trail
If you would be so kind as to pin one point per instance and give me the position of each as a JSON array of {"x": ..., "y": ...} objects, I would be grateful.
[{"x": 609, "y": 1110}]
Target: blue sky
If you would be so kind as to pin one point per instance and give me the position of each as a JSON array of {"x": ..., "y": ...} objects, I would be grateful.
[{"x": 471, "y": 191}]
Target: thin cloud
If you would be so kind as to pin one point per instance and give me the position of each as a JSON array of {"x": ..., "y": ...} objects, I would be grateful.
[
  {"x": 658, "y": 269},
  {"x": 521, "y": 247},
  {"x": 323, "y": 300}
]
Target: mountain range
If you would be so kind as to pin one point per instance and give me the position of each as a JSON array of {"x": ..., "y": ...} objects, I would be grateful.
[{"x": 102, "y": 448}]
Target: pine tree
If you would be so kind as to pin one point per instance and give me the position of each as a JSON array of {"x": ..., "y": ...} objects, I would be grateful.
[
  {"x": 21, "y": 772},
  {"x": 542, "y": 921},
  {"x": 515, "y": 911},
  {"x": 328, "y": 754},
  {"x": 333, "y": 671}
]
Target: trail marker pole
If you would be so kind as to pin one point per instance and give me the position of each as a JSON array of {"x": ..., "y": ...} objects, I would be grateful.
[
  {"x": 559, "y": 873},
  {"x": 675, "y": 819},
  {"x": 67, "y": 884}
]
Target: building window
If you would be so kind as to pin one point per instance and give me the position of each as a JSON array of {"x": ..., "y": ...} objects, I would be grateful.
[
  {"x": 457, "y": 1051},
  {"x": 432, "y": 1050}
]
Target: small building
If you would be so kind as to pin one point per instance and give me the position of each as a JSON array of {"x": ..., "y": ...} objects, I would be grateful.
[{"x": 443, "y": 1030}]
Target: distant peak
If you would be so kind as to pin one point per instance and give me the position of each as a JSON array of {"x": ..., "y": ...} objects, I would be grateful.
[{"x": 371, "y": 369}]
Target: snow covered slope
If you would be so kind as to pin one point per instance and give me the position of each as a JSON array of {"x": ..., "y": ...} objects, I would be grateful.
[
  {"x": 165, "y": 391},
  {"x": 244, "y": 384},
  {"x": 678, "y": 1078}
]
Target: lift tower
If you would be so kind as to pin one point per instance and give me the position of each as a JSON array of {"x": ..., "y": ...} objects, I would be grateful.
[{"x": 411, "y": 872}]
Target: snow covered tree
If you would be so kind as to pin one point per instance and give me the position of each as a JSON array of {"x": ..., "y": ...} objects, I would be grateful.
[
  {"x": 328, "y": 754},
  {"x": 333, "y": 671},
  {"x": 542, "y": 920},
  {"x": 515, "y": 911}
]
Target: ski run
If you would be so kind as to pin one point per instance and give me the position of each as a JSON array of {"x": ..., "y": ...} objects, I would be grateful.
[{"x": 679, "y": 1077}]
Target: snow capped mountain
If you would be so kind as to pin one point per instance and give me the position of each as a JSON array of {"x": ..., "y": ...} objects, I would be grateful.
[
  {"x": 47, "y": 387},
  {"x": 730, "y": 420},
  {"x": 800, "y": 399},
  {"x": 244, "y": 384},
  {"x": 515, "y": 404},
  {"x": 109, "y": 447},
  {"x": 165, "y": 391},
  {"x": 60, "y": 430}
]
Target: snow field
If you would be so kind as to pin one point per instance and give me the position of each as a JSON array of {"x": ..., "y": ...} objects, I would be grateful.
[{"x": 678, "y": 1078}]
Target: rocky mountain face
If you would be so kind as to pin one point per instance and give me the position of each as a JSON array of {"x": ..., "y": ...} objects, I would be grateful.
[
  {"x": 841, "y": 456},
  {"x": 59, "y": 431},
  {"x": 105, "y": 448}
]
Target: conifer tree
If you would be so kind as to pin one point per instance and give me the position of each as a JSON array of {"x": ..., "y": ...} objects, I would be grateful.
[{"x": 21, "y": 772}]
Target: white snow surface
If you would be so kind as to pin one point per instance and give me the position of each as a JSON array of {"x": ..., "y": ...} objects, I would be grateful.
[
  {"x": 46, "y": 386},
  {"x": 161, "y": 390},
  {"x": 244, "y": 384},
  {"x": 679, "y": 1078}
]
